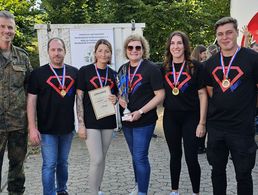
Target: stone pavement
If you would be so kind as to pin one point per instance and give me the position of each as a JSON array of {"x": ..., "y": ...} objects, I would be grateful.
[{"x": 118, "y": 178}]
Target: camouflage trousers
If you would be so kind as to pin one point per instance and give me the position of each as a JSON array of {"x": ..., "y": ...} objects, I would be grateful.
[{"x": 16, "y": 142}]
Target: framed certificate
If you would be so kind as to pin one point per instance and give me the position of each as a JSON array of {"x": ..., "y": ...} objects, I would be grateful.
[{"x": 102, "y": 106}]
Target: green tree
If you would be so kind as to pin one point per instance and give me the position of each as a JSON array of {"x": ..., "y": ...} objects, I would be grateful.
[
  {"x": 102, "y": 11},
  {"x": 66, "y": 11},
  {"x": 195, "y": 17},
  {"x": 26, "y": 15}
]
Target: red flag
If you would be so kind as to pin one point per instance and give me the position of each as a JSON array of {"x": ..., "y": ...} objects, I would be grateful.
[{"x": 253, "y": 28}]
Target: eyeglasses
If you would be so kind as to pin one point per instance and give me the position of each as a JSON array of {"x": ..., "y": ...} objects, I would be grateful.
[{"x": 137, "y": 48}]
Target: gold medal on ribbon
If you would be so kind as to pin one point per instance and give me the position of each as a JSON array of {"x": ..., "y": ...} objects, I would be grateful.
[
  {"x": 225, "y": 70},
  {"x": 175, "y": 91},
  {"x": 225, "y": 83},
  {"x": 63, "y": 92}
]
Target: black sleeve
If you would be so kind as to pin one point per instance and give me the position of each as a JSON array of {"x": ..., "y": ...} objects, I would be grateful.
[
  {"x": 200, "y": 76},
  {"x": 156, "y": 78},
  {"x": 81, "y": 79},
  {"x": 76, "y": 78},
  {"x": 207, "y": 75},
  {"x": 33, "y": 83}
]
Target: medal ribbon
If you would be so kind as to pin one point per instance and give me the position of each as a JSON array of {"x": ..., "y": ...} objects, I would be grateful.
[
  {"x": 62, "y": 84},
  {"x": 176, "y": 79},
  {"x": 130, "y": 79},
  {"x": 106, "y": 78},
  {"x": 226, "y": 72}
]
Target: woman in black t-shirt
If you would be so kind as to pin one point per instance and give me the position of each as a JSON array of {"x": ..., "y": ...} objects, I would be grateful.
[
  {"x": 97, "y": 132},
  {"x": 185, "y": 108},
  {"x": 140, "y": 83}
]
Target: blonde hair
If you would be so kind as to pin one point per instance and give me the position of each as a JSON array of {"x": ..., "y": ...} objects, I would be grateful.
[{"x": 144, "y": 42}]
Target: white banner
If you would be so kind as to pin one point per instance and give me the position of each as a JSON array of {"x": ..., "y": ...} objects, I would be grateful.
[
  {"x": 82, "y": 44},
  {"x": 244, "y": 11}
]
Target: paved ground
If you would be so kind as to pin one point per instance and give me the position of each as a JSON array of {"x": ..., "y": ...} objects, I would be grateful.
[{"x": 118, "y": 178}]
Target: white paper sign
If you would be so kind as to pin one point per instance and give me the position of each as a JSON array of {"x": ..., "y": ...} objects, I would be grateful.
[{"x": 82, "y": 44}]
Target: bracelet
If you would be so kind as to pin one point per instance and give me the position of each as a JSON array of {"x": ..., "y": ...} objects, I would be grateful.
[{"x": 141, "y": 112}]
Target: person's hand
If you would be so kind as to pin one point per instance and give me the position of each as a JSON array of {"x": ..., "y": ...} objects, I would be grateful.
[
  {"x": 113, "y": 99},
  {"x": 34, "y": 136},
  {"x": 122, "y": 102},
  {"x": 82, "y": 132},
  {"x": 245, "y": 31},
  {"x": 135, "y": 115},
  {"x": 200, "y": 130}
]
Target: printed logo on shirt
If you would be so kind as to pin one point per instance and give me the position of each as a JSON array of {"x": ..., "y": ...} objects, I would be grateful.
[
  {"x": 95, "y": 82},
  {"x": 53, "y": 82},
  {"x": 182, "y": 83},
  {"x": 136, "y": 82},
  {"x": 234, "y": 76}
]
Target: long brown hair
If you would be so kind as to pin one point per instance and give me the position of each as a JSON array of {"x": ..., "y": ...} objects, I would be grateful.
[
  {"x": 187, "y": 51},
  {"x": 195, "y": 55}
]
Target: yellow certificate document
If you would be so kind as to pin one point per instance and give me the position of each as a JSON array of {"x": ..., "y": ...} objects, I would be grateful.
[{"x": 102, "y": 106}]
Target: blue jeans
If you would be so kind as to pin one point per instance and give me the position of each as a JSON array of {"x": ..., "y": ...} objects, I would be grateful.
[
  {"x": 138, "y": 140},
  {"x": 55, "y": 150}
]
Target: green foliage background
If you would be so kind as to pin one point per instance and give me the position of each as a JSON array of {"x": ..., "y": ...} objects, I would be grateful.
[{"x": 195, "y": 17}]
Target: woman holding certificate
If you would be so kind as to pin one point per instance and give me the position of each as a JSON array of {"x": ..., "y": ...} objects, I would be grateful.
[
  {"x": 185, "y": 108},
  {"x": 96, "y": 129},
  {"x": 142, "y": 92}
]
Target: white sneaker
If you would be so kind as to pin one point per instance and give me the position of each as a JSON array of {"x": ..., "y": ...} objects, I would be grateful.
[
  {"x": 135, "y": 190},
  {"x": 174, "y": 193},
  {"x": 101, "y": 193}
]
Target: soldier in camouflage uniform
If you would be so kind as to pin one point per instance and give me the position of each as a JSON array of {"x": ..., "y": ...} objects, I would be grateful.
[{"x": 14, "y": 70}]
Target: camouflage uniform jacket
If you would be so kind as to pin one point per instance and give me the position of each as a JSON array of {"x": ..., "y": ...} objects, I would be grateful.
[{"x": 14, "y": 73}]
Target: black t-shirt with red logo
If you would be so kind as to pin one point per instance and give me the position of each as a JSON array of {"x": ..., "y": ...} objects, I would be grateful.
[
  {"x": 147, "y": 79},
  {"x": 190, "y": 81},
  {"x": 87, "y": 81},
  {"x": 55, "y": 113},
  {"x": 233, "y": 109}
]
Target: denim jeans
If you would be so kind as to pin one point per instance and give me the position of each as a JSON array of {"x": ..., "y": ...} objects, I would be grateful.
[
  {"x": 55, "y": 150},
  {"x": 138, "y": 140}
]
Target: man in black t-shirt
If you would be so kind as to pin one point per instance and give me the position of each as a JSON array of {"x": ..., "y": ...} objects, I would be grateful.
[
  {"x": 51, "y": 95},
  {"x": 231, "y": 79}
]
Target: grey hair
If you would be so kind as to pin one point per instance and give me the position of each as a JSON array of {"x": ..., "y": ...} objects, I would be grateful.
[{"x": 6, "y": 14}]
